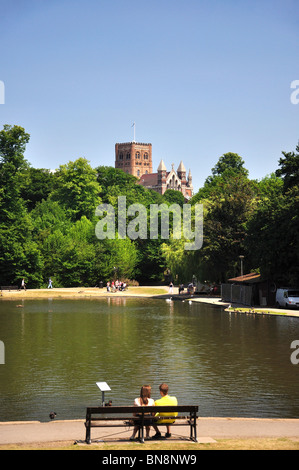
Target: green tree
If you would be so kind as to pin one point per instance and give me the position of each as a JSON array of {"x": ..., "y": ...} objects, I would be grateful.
[
  {"x": 289, "y": 169},
  {"x": 151, "y": 262},
  {"x": 226, "y": 212},
  {"x": 108, "y": 177},
  {"x": 77, "y": 266},
  {"x": 272, "y": 242},
  {"x": 116, "y": 258},
  {"x": 230, "y": 162},
  {"x": 51, "y": 226},
  {"x": 178, "y": 261},
  {"x": 19, "y": 254},
  {"x": 48, "y": 216},
  {"x": 115, "y": 183},
  {"x": 77, "y": 189},
  {"x": 174, "y": 197},
  {"x": 35, "y": 185},
  {"x": 13, "y": 140},
  {"x": 12, "y": 162},
  {"x": 229, "y": 165}
]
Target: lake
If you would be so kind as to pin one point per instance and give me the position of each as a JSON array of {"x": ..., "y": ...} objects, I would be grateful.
[{"x": 229, "y": 364}]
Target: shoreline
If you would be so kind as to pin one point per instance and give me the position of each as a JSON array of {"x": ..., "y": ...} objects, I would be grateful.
[
  {"x": 82, "y": 292},
  {"x": 154, "y": 292},
  {"x": 210, "y": 430}
]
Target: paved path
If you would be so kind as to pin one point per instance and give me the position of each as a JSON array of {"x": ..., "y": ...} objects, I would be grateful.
[
  {"x": 209, "y": 430},
  {"x": 216, "y": 301}
]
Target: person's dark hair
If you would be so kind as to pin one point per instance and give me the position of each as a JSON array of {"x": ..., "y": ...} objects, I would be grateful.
[
  {"x": 164, "y": 388},
  {"x": 145, "y": 394}
]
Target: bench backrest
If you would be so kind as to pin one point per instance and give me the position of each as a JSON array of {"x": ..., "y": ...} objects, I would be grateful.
[
  {"x": 9, "y": 288},
  {"x": 140, "y": 409}
]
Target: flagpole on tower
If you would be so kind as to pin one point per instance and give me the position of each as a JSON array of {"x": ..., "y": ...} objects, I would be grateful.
[{"x": 134, "y": 125}]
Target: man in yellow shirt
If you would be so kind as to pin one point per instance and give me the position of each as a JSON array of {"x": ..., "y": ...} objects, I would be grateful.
[{"x": 165, "y": 400}]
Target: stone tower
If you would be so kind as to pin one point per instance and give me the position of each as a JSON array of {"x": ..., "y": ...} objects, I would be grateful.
[{"x": 134, "y": 158}]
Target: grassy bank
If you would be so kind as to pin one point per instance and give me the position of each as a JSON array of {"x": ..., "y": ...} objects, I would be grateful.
[
  {"x": 81, "y": 292},
  {"x": 221, "y": 444}
]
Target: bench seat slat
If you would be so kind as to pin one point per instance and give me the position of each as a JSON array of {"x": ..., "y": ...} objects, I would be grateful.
[
  {"x": 137, "y": 418},
  {"x": 100, "y": 424}
]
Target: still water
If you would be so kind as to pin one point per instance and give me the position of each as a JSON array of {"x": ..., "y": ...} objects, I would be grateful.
[{"x": 228, "y": 364}]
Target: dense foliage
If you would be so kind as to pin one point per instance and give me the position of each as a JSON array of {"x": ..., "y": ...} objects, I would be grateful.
[{"x": 48, "y": 221}]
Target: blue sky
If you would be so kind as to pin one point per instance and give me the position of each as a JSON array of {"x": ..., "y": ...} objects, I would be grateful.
[{"x": 200, "y": 78}]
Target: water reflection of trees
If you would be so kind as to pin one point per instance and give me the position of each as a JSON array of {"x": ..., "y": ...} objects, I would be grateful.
[{"x": 227, "y": 363}]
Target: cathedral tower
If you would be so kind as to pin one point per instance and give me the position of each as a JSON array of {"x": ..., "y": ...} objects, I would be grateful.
[{"x": 134, "y": 158}]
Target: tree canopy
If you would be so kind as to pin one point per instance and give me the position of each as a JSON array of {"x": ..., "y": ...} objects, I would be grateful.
[
  {"x": 289, "y": 169},
  {"x": 48, "y": 221}
]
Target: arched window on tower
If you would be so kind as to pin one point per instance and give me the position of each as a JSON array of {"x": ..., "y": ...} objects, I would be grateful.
[{"x": 172, "y": 181}]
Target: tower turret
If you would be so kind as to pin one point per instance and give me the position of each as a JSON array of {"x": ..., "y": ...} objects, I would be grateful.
[{"x": 181, "y": 172}]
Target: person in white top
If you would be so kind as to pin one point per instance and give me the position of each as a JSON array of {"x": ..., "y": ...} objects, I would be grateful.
[{"x": 143, "y": 400}]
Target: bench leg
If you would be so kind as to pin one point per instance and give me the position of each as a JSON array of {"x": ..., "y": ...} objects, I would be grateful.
[
  {"x": 195, "y": 433},
  {"x": 193, "y": 429},
  {"x": 87, "y": 437},
  {"x": 141, "y": 434}
]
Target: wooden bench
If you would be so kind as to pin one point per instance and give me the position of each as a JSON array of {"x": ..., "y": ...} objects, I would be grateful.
[
  {"x": 107, "y": 416},
  {"x": 10, "y": 288}
]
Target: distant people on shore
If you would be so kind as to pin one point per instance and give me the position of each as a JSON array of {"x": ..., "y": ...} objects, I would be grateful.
[
  {"x": 116, "y": 286},
  {"x": 50, "y": 284},
  {"x": 23, "y": 285},
  {"x": 190, "y": 288}
]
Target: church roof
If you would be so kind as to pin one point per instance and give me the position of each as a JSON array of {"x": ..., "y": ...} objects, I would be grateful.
[
  {"x": 162, "y": 166},
  {"x": 149, "y": 179},
  {"x": 181, "y": 167}
]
